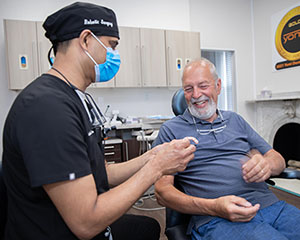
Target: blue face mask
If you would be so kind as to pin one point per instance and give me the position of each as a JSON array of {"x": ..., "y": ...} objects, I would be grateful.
[{"x": 107, "y": 70}]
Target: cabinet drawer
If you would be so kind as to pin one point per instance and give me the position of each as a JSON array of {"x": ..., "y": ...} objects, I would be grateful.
[{"x": 112, "y": 153}]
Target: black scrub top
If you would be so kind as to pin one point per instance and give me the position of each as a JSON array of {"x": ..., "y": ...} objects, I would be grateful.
[{"x": 47, "y": 138}]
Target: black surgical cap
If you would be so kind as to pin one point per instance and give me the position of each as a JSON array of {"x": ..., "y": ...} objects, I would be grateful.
[{"x": 68, "y": 22}]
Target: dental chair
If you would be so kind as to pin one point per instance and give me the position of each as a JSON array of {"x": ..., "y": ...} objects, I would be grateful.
[
  {"x": 176, "y": 222},
  {"x": 146, "y": 140}
]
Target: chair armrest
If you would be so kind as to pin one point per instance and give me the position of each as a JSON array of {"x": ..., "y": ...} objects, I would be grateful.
[
  {"x": 176, "y": 225},
  {"x": 289, "y": 173},
  {"x": 177, "y": 232}
]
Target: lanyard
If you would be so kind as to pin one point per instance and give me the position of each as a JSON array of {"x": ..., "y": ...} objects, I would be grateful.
[{"x": 97, "y": 117}]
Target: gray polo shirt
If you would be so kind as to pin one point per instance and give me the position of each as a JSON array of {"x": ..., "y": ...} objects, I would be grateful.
[{"x": 216, "y": 169}]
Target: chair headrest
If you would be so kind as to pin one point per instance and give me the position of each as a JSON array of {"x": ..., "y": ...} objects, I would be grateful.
[{"x": 178, "y": 102}]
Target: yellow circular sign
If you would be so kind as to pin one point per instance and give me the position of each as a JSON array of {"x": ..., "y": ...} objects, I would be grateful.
[{"x": 287, "y": 38}]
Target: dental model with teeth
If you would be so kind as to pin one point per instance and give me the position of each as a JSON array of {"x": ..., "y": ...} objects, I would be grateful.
[{"x": 223, "y": 187}]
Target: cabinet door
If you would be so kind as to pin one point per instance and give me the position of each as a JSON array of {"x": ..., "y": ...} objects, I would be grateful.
[
  {"x": 21, "y": 47},
  {"x": 181, "y": 47},
  {"x": 129, "y": 74},
  {"x": 130, "y": 149},
  {"x": 192, "y": 46},
  {"x": 44, "y": 46},
  {"x": 153, "y": 57}
]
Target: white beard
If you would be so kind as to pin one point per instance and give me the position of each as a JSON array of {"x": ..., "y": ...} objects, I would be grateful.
[{"x": 205, "y": 113}]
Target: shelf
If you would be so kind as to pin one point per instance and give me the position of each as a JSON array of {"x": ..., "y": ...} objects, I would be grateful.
[{"x": 277, "y": 97}]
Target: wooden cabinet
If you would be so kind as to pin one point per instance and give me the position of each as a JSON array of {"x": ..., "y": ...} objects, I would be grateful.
[
  {"x": 130, "y": 149},
  {"x": 21, "y": 52},
  {"x": 153, "y": 57},
  {"x": 44, "y": 46},
  {"x": 181, "y": 47},
  {"x": 109, "y": 84},
  {"x": 143, "y": 61},
  {"x": 118, "y": 150},
  {"x": 27, "y": 50},
  {"x": 286, "y": 196},
  {"x": 129, "y": 74},
  {"x": 149, "y": 57},
  {"x": 113, "y": 151}
]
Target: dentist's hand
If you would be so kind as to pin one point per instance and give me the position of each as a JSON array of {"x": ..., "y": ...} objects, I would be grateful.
[{"x": 174, "y": 156}]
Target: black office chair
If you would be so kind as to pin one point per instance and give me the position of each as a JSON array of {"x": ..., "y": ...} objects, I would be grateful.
[
  {"x": 176, "y": 222},
  {"x": 3, "y": 204}
]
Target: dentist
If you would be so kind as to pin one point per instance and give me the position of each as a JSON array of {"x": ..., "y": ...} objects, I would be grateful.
[{"x": 58, "y": 183}]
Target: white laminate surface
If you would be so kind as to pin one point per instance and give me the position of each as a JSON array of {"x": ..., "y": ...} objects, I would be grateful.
[{"x": 292, "y": 185}]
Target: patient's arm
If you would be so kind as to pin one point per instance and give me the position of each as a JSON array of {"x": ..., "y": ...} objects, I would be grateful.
[
  {"x": 231, "y": 207},
  {"x": 260, "y": 167}
]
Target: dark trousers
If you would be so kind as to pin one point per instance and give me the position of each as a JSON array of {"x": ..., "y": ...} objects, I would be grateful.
[{"x": 134, "y": 227}]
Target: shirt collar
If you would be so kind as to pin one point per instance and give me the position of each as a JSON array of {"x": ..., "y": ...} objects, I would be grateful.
[{"x": 188, "y": 117}]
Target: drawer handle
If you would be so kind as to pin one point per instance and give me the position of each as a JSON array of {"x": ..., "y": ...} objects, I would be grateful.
[
  {"x": 109, "y": 154},
  {"x": 109, "y": 147}
]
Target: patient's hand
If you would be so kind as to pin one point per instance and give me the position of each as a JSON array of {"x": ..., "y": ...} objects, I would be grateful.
[
  {"x": 235, "y": 209},
  {"x": 257, "y": 168}
]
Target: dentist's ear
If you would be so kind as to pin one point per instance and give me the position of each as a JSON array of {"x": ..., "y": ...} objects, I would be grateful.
[{"x": 84, "y": 39}]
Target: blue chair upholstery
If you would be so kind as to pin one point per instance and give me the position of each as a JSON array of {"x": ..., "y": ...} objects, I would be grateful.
[
  {"x": 176, "y": 222},
  {"x": 178, "y": 102},
  {"x": 3, "y": 204}
]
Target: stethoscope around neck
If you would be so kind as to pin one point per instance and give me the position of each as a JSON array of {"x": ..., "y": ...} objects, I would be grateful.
[{"x": 97, "y": 117}]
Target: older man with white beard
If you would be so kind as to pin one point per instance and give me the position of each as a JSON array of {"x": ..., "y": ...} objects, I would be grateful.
[{"x": 223, "y": 186}]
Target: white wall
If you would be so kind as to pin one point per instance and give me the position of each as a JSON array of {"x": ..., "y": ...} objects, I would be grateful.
[
  {"x": 283, "y": 81},
  {"x": 166, "y": 14},
  {"x": 239, "y": 25},
  {"x": 228, "y": 25}
]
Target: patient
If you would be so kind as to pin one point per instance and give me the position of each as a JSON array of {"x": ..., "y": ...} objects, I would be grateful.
[{"x": 223, "y": 187}]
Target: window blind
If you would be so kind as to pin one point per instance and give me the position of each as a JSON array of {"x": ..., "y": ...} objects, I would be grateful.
[{"x": 224, "y": 62}]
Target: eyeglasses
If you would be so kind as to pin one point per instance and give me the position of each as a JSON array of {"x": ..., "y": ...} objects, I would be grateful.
[{"x": 213, "y": 130}]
